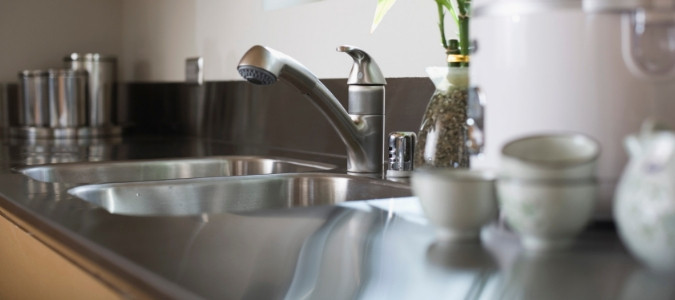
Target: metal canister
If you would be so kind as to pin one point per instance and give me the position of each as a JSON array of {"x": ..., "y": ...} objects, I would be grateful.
[
  {"x": 102, "y": 84},
  {"x": 67, "y": 97},
  {"x": 33, "y": 98}
]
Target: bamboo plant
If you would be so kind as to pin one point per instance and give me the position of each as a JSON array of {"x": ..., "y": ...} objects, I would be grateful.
[{"x": 459, "y": 10}]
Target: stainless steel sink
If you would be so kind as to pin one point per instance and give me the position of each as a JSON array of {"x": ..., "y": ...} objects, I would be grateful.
[
  {"x": 146, "y": 170},
  {"x": 234, "y": 194}
]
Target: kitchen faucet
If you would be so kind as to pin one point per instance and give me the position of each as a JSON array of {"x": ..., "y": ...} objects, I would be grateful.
[{"x": 362, "y": 129}]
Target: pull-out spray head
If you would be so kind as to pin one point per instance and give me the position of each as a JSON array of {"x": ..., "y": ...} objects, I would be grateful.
[
  {"x": 263, "y": 66},
  {"x": 260, "y": 65}
]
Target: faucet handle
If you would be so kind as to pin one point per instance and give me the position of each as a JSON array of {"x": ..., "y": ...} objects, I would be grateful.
[{"x": 365, "y": 70}]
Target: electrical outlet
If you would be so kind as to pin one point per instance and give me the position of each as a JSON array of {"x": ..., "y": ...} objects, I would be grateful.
[{"x": 194, "y": 70}]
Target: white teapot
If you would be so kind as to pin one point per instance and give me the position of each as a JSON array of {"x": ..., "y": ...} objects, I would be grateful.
[{"x": 644, "y": 205}]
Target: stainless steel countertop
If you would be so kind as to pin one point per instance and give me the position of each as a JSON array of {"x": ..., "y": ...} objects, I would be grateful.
[{"x": 380, "y": 249}]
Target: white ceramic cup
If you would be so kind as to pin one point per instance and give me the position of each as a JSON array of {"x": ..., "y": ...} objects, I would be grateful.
[
  {"x": 549, "y": 214},
  {"x": 552, "y": 156},
  {"x": 459, "y": 202}
]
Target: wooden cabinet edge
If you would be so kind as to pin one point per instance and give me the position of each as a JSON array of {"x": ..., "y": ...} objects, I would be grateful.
[{"x": 32, "y": 266}]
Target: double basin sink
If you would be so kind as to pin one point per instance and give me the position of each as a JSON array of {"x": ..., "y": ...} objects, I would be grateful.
[{"x": 175, "y": 187}]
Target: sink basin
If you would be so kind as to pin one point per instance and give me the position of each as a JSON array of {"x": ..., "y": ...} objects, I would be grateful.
[
  {"x": 234, "y": 194},
  {"x": 147, "y": 170}
]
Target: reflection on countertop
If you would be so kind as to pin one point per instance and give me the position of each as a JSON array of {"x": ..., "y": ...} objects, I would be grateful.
[{"x": 378, "y": 249}]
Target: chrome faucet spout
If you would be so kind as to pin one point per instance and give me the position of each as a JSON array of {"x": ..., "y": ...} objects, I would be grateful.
[{"x": 362, "y": 129}]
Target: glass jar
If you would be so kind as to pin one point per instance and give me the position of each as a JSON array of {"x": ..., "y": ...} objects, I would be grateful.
[{"x": 442, "y": 140}]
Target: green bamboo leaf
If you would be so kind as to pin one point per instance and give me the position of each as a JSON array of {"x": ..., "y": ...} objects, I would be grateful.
[
  {"x": 445, "y": 3},
  {"x": 449, "y": 7},
  {"x": 383, "y": 7}
]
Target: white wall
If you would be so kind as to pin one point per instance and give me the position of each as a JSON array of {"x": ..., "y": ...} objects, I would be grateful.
[
  {"x": 37, "y": 34},
  {"x": 160, "y": 34},
  {"x": 153, "y": 37}
]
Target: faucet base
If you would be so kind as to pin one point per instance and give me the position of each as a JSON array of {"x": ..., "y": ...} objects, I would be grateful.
[{"x": 368, "y": 156}]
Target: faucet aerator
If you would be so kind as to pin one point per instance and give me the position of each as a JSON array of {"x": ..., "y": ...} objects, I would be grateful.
[{"x": 256, "y": 75}]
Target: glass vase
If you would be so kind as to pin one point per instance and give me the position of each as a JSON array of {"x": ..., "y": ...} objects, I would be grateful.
[{"x": 442, "y": 140}]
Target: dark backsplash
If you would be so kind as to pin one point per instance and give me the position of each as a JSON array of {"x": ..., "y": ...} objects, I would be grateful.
[{"x": 274, "y": 115}]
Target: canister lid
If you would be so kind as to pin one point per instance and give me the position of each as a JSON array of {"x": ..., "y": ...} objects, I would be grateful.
[
  {"x": 89, "y": 57},
  {"x": 33, "y": 73},
  {"x": 66, "y": 73}
]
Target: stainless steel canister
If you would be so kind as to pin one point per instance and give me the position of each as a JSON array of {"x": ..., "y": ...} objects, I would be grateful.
[
  {"x": 33, "y": 98},
  {"x": 102, "y": 85},
  {"x": 67, "y": 97}
]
